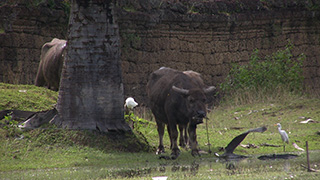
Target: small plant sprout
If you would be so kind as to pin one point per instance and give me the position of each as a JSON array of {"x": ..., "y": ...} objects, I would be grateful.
[
  {"x": 284, "y": 136},
  {"x": 130, "y": 103}
]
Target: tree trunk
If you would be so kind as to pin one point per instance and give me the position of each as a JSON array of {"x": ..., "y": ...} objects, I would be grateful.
[{"x": 91, "y": 89}]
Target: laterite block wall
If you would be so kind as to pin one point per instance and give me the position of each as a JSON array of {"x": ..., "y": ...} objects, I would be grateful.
[{"x": 206, "y": 37}]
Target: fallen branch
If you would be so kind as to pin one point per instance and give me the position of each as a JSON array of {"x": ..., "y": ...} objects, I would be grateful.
[
  {"x": 309, "y": 121},
  {"x": 297, "y": 147},
  {"x": 249, "y": 146},
  {"x": 309, "y": 169},
  {"x": 38, "y": 119},
  {"x": 269, "y": 145},
  {"x": 16, "y": 115},
  {"x": 236, "y": 128}
]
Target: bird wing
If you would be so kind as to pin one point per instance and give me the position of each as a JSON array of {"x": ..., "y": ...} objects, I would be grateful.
[
  {"x": 260, "y": 129},
  {"x": 284, "y": 136},
  {"x": 237, "y": 140}
]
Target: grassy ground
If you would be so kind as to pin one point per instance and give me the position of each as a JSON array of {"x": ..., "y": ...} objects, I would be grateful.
[
  {"x": 26, "y": 97},
  {"x": 53, "y": 153}
]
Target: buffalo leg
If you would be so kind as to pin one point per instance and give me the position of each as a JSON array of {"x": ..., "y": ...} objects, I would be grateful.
[
  {"x": 40, "y": 81},
  {"x": 193, "y": 139},
  {"x": 186, "y": 138},
  {"x": 171, "y": 142},
  {"x": 175, "y": 152},
  {"x": 183, "y": 140},
  {"x": 160, "y": 128}
]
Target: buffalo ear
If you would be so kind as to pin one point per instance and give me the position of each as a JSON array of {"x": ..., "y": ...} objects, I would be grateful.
[
  {"x": 180, "y": 90},
  {"x": 209, "y": 89}
]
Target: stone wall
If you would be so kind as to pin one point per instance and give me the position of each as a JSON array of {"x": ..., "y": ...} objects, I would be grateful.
[
  {"x": 206, "y": 38},
  {"x": 209, "y": 44},
  {"x": 23, "y": 30}
]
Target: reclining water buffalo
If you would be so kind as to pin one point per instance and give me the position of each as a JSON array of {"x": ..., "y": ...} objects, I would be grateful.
[
  {"x": 176, "y": 98},
  {"x": 51, "y": 62}
]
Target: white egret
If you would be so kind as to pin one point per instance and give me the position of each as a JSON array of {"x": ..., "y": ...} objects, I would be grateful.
[
  {"x": 284, "y": 136},
  {"x": 130, "y": 103}
]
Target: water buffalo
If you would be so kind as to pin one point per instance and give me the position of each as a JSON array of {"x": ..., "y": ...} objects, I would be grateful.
[
  {"x": 175, "y": 98},
  {"x": 196, "y": 78},
  {"x": 51, "y": 62}
]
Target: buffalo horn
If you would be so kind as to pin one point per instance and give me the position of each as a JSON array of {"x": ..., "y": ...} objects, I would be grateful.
[
  {"x": 180, "y": 90},
  {"x": 209, "y": 89}
]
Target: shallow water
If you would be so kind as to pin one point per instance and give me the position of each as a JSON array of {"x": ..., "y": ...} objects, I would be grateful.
[
  {"x": 199, "y": 168},
  {"x": 215, "y": 167}
]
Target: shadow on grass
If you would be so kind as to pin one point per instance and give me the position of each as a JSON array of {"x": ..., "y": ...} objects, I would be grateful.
[
  {"x": 49, "y": 134},
  {"x": 106, "y": 142}
]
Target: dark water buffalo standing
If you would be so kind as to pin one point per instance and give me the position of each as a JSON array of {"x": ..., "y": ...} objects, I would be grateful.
[
  {"x": 196, "y": 78},
  {"x": 51, "y": 62},
  {"x": 176, "y": 98}
]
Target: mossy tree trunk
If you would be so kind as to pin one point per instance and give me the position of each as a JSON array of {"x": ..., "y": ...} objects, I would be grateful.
[{"x": 91, "y": 90}]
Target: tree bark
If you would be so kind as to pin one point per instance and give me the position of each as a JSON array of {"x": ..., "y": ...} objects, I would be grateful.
[{"x": 91, "y": 88}]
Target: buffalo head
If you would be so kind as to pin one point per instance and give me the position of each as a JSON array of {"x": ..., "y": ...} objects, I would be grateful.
[{"x": 195, "y": 102}]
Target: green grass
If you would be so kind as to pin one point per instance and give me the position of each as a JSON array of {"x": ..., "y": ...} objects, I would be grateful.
[
  {"x": 53, "y": 153},
  {"x": 288, "y": 113},
  {"x": 26, "y": 97}
]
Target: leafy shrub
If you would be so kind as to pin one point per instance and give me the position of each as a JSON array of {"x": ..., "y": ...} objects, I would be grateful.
[
  {"x": 135, "y": 121},
  {"x": 10, "y": 126},
  {"x": 264, "y": 78},
  {"x": 279, "y": 69}
]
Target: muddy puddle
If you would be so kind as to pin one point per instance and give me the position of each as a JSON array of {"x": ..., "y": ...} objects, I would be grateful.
[
  {"x": 214, "y": 166},
  {"x": 197, "y": 168}
]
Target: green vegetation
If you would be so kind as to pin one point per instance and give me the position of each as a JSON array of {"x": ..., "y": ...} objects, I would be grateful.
[
  {"x": 26, "y": 97},
  {"x": 129, "y": 9},
  {"x": 130, "y": 40},
  {"x": 268, "y": 77},
  {"x": 262, "y": 93},
  {"x": 9, "y": 126},
  {"x": 191, "y": 10},
  {"x": 274, "y": 71},
  {"x": 50, "y": 152},
  {"x": 137, "y": 122},
  {"x": 51, "y": 3}
]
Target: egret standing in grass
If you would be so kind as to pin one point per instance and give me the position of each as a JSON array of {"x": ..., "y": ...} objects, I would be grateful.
[
  {"x": 129, "y": 105},
  {"x": 284, "y": 136}
]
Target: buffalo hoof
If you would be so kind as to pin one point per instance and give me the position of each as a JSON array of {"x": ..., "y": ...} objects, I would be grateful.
[
  {"x": 165, "y": 157},
  {"x": 195, "y": 152},
  {"x": 182, "y": 144},
  {"x": 160, "y": 150},
  {"x": 175, "y": 153},
  {"x": 174, "y": 156}
]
